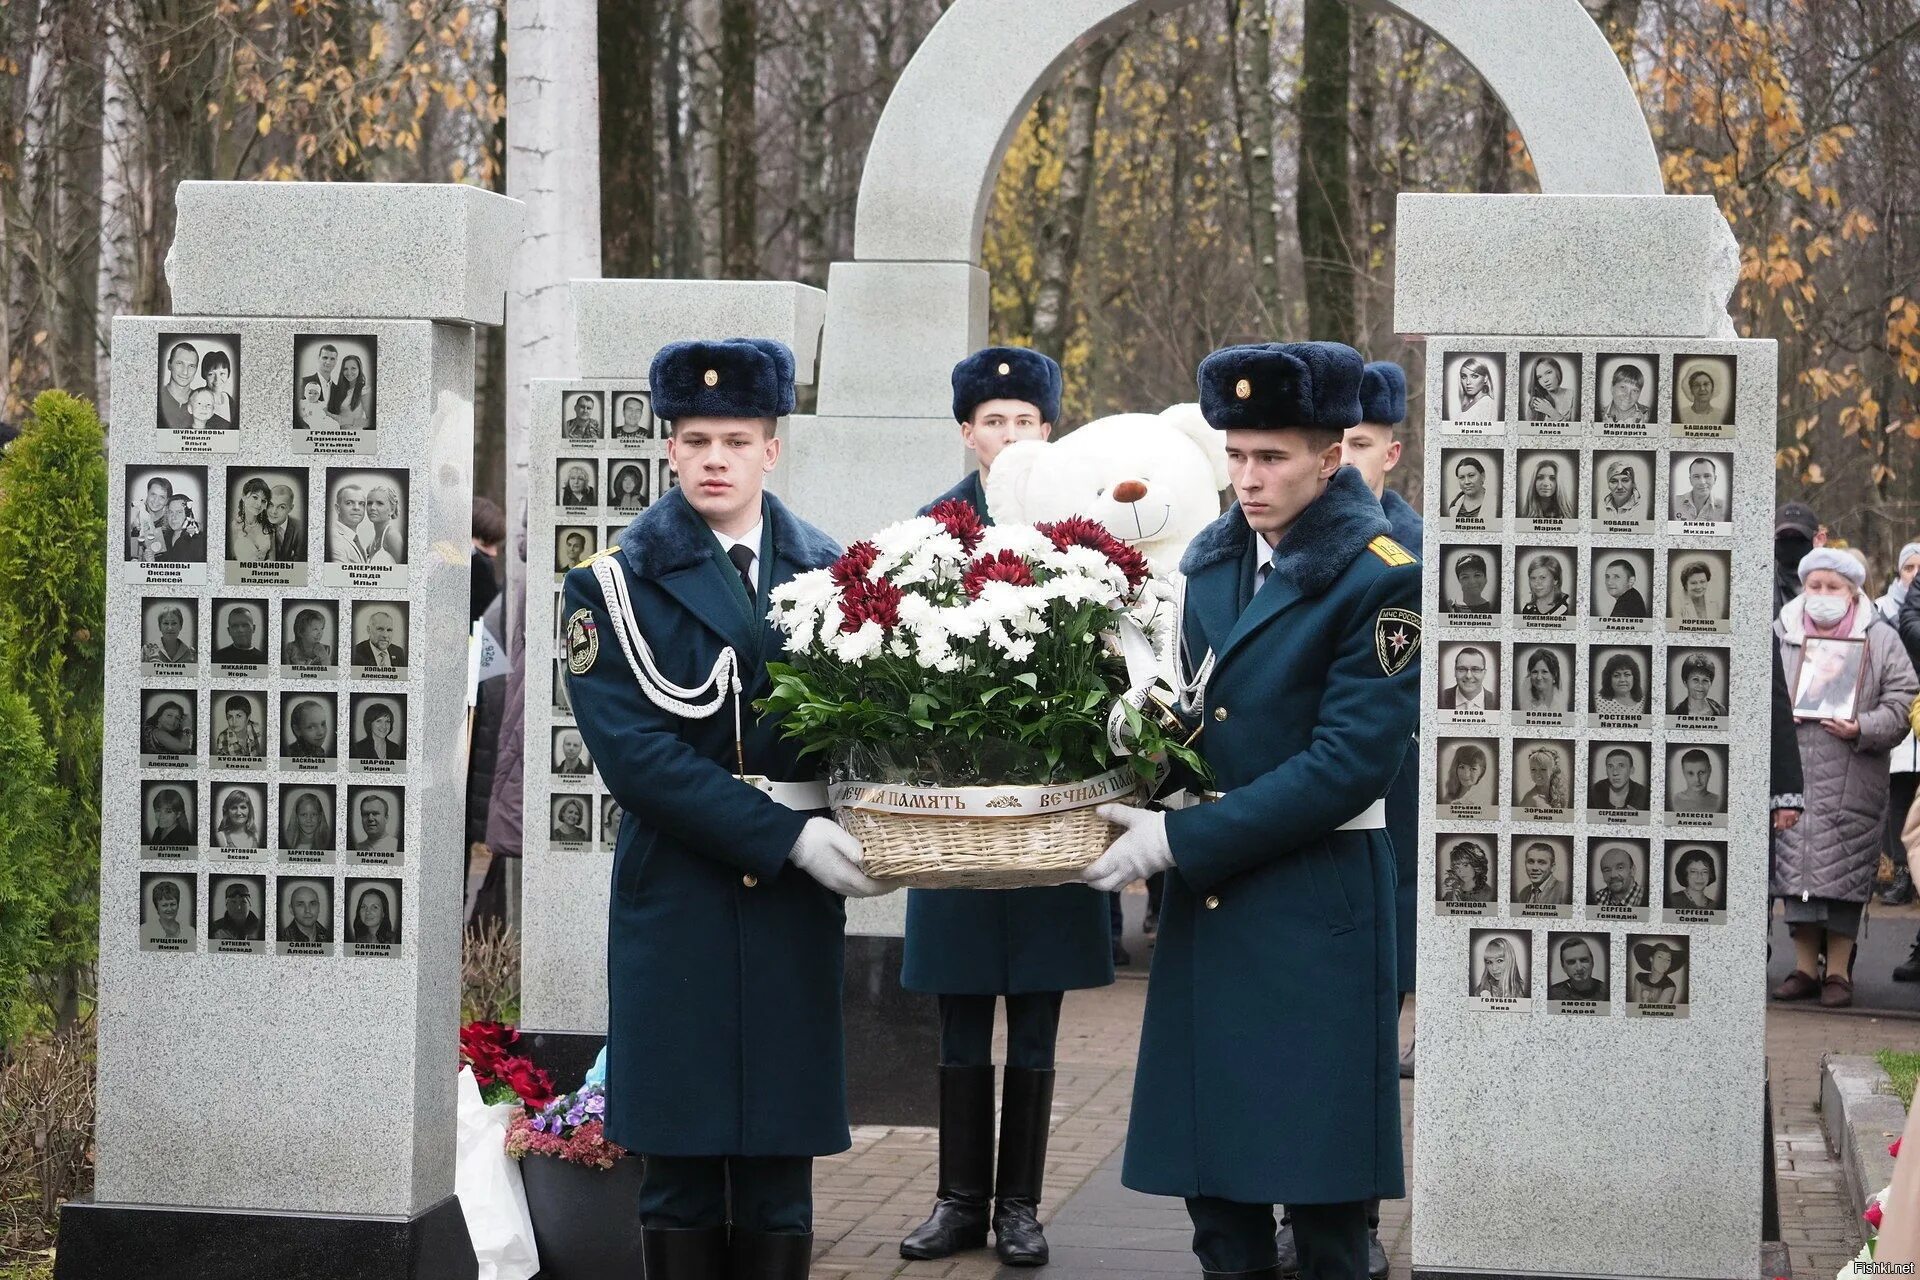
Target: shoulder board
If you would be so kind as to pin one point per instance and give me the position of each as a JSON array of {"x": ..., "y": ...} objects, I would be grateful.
[
  {"x": 1392, "y": 552},
  {"x": 601, "y": 554}
]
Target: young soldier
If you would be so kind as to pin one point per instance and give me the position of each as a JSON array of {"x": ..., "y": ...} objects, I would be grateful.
[
  {"x": 967, "y": 946},
  {"x": 1267, "y": 1059},
  {"x": 725, "y": 1057}
]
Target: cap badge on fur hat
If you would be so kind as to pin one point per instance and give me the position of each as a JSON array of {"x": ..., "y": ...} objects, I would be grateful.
[
  {"x": 1005, "y": 369},
  {"x": 1243, "y": 389},
  {"x": 713, "y": 378}
]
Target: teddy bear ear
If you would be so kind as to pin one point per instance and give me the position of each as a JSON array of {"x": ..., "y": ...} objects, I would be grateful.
[
  {"x": 1007, "y": 483},
  {"x": 1189, "y": 422}
]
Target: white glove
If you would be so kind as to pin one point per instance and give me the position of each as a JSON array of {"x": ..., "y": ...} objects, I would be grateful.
[
  {"x": 832, "y": 857},
  {"x": 1139, "y": 852}
]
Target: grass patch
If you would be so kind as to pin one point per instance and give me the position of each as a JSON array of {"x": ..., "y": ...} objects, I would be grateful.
[
  {"x": 1903, "y": 1069},
  {"x": 38, "y": 1269}
]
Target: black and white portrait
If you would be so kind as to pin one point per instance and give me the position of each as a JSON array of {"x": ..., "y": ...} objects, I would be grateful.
[
  {"x": 1475, "y": 386},
  {"x": 307, "y": 821},
  {"x": 368, "y": 521},
  {"x": 562, "y": 697},
  {"x": 238, "y": 818},
  {"x": 1621, "y": 579},
  {"x": 667, "y": 479},
  {"x": 169, "y": 634},
  {"x": 166, "y": 529},
  {"x": 1545, "y": 585},
  {"x": 379, "y": 731},
  {"x": 169, "y": 813},
  {"x": 1469, "y": 680},
  {"x": 1470, "y": 490},
  {"x": 584, "y": 416},
  {"x": 610, "y": 816},
  {"x": 1548, "y": 494},
  {"x": 1657, "y": 974},
  {"x": 303, "y": 924},
  {"x": 1697, "y": 783},
  {"x": 266, "y": 526},
  {"x": 632, "y": 417},
  {"x": 240, "y": 634},
  {"x": 1543, "y": 677},
  {"x": 1549, "y": 387},
  {"x": 1542, "y": 871},
  {"x": 1464, "y": 876},
  {"x": 570, "y": 821},
  {"x": 1700, "y": 493},
  {"x": 569, "y": 756},
  {"x": 1500, "y": 967},
  {"x": 1579, "y": 971},
  {"x": 373, "y": 917},
  {"x": 1826, "y": 683},
  {"x": 309, "y": 635},
  {"x": 168, "y": 733},
  {"x": 1470, "y": 581},
  {"x": 239, "y": 728},
  {"x": 234, "y": 907},
  {"x": 1696, "y": 880},
  {"x": 1620, "y": 684},
  {"x": 1617, "y": 878},
  {"x": 1704, "y": 390},
  {"x": 1624, "y": 391},
  {"x": 628, "y": 487},
  {"x": 613, "y": 532},
  {"x": 198, "y": 402},
  {"x": 309, "y": 724},
  {"x": 380, "y": 637},
  {"x": 1617, "y": 774},
  {"x": 376, "y": 824},
  {"x": 571, "y": 545},
  {"x": 1697, "y": 589},
  {"x": 576, "y": 484},
  {"x": 1542, "y": 778},
  {"x": 335, "y": 384},
  {"x": 167, "y": 911},
  {"x": 1469, "y": 777},
  {"x": 1696, "y": 686},
  {"x": 1623, "y": 491}
]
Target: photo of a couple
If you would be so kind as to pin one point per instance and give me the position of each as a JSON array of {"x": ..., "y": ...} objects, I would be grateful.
[
  {"x": 366, "y": 517},
  {"x": 333, "y": 383}
]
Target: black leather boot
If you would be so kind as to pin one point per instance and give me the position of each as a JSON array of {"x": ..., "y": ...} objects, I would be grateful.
[
  {"x": 1258, "y": 1273},
  {"x": 1376, "y": 1252},
  {"x": 769, "y": 1255},
  {"x": 959, "y": 1219},
  {"x": 1026, "y": 1107},
  {"x": 1286, "y": 1249},
  {"x": 696, "y": 1254}
]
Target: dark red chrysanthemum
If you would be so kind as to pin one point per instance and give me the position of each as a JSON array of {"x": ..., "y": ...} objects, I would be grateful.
[
  {"x": 961, "y": 520},
  {"x": 852, "y": 566},
  {"x": 863, "y": 602},
  {"x": 1007, "y": 566},
  {"x": 1079, "y": 531}
]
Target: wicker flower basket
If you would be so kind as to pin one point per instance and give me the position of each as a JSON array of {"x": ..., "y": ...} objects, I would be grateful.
[{"x": 987, "y": 837}]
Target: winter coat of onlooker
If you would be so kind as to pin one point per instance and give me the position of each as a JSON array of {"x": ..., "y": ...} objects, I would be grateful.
[
  {"x": 1902, "y": 828},
  {"x": 1824, "y": 867}
]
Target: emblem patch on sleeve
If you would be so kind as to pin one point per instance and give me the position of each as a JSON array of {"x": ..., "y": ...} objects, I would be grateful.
[
  {"x": 583, "y": 642},
  {"x": 1396, "y": 639}
]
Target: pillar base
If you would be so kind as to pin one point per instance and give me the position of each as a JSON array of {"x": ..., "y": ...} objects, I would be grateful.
[{"x": 142, "y": 1242}]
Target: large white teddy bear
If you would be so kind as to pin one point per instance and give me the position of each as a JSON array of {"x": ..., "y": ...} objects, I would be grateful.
[{"x": 1154, "y": 480}]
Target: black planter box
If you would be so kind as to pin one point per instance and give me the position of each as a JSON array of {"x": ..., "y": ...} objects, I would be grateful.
[{"x": 586, "y": 1222}]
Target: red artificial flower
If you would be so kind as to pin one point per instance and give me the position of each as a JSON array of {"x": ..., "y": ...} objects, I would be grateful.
[
  {"x": 534, "y": 1085},
  {"x": 1893, "y": 1149},
  {"x": 1079, "y": 531},
  {"x": 1007, "y": 566},
  {"x": 1873, "y": 1215},
  {"x": 852, "y": 567},
  {"x": 864, "y": 602},
  {"x": 484, "y": 1045},
  {"x": 961, "y": 520}
]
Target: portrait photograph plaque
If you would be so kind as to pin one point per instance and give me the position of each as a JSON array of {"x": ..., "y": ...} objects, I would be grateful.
[
  {"x": 633, "y": 420},
  {"x": 169, "y": 637},
  {"x": 1466, "y": 874},
  {"x": 1623, "y": 492},
  {"x": 1469, "y": 682},
  {"x": 1621, "y": 578},
  {"x": 169, "y": 728},
  {"x": 1700, "y": 494},
  {"x": 239, "y": 733},
  {"x": 1543, "y": 682},
  {"x": 167, "y": 912},
  {"x": 1697, "y": 593},
  {"x": 197, "y": 404},
  {"x": 237, "y": 819},
  {"x": 378, "y": 741},
  {"x": 240, "y": 641},
  {"x": 1469, "y": 774},
  {"x": 368, "y": 519},
  {"x": 169, "y": 819},
  {"x": 1657, "y": 975},
  {"x": 166, "y": 539},
  {"x": 571, "y": 545},
  {"x": 570, "y": 822},
  {"x": 1616, "y": 878},
  {"x": 1697, "y": 687},
  {"x": 380, "y": 639},
  {"x": 372, "y": 926},
  {"x": 1696, "y": 785},
  {"x": 376, "y": 825},
  {"x": 304, "y": 918},
  {"x": 610, "y": 815},
  {"x": 1550, "y": 396},
  {"x": 309, "y": 731},
  {"x": 1546, "y": 491},
  {"x": 235, "y": 923},
  {"x": 335, "y": 388},
  {"x": 1470, "y": 585},
  {"x": 1471, "y": 491},
  {"x": 1624, "y": 394},
  {"x": 1475, "y": 392},
  {"x": 1617, "y": 783},
  {"x": 1542, "y": 876},
  {"x": 1620, "y": 687},
  {"x": 1500, "y": 970},
  {"x": 577, "y": 492},
  {"x": 1542, "y": 774},
  {"x": 266, "y": 527},
  {"x": 1696, "y": 882},
  {"x": 1579, "y": 970},
  {"x": 1705, "y": 391},
  {"x": 308, "y": 835},
  {"x": 1546, "y": 587},
  {"x": 309, "y": 638},
  {"x": 585, "y": 418},
  {"x": 629, "y": 486}
]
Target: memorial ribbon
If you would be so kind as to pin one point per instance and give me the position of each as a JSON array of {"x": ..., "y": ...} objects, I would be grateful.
[{"x": 983, "y": 802}]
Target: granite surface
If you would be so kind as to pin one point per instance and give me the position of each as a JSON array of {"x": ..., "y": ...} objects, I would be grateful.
[
  {"x": 894, "y": 332},
  {"x": 618, "y": 325}
]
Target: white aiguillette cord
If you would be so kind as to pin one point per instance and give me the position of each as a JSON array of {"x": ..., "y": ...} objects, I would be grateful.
[
  {"x": 721, "y": 683},
  {"x": 1153, "y": 663}
]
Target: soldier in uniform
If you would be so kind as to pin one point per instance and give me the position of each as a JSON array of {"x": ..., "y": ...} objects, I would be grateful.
[
  {"x": 1027, "y": 946},
  {"x": 725, "y": 1055},
  {"x": 1268, "y": 1070}
]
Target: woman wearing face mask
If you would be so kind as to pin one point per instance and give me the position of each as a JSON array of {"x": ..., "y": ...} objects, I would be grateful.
[
  {"x": 1904, "y": 779},
  {"x": 1824, "y": 867}
]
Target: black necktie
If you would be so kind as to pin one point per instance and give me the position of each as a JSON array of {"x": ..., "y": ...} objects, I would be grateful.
[
  {"x": 742, "y": 556},
  {"x": 1261, "y": 575}
]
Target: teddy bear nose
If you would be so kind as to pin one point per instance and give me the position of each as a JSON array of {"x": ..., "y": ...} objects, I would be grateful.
[{"x": 1129, "y": 491}]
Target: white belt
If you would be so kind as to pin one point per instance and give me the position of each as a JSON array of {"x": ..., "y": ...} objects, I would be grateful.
[
  {"x": 1372, "y": 818},
  {"x": 803, "y": 797}
]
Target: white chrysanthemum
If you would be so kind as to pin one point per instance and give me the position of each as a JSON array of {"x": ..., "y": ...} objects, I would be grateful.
[
  {"x": 1020, "y": 650},
  {"x": 856, "y": 647},
  {"x": 1021, "y": 539}
]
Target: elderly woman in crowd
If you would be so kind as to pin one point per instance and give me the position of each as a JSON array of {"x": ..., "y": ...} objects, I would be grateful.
[{"x": 1824, "y": 866}]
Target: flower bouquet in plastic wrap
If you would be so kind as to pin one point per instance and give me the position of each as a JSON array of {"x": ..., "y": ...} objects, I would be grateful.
[{"x": 978, "y": 691}]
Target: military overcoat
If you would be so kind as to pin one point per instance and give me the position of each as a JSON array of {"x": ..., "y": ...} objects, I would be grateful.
[
  {"x": 1004, "y": 941},
  {"x": 1403, "y": 798},
  {"x": 1268, "y": 1068},
  {"x": 724, "y": 961}
]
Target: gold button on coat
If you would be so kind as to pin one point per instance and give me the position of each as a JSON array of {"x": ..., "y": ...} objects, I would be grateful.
[
  {"x": 749, "y": 880},
  {"x": 1213, "y": 901},
  {"x": 1219, "y": 713}
]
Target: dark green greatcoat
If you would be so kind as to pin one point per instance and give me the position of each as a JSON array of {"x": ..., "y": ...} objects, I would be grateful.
[{"x": 1403, "y": 798}]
